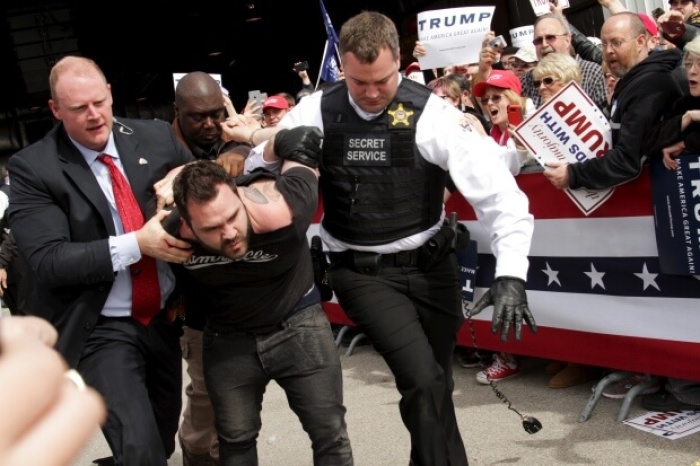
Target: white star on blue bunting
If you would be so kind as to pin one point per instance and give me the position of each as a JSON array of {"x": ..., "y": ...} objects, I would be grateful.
[
  {"x": 552, "y": 275},
  {"x": 648, "y": 278},
  {"x": 596, "y": 277}
]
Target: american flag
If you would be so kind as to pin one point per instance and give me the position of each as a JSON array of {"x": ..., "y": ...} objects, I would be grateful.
[{"x": 594, "y": 286}]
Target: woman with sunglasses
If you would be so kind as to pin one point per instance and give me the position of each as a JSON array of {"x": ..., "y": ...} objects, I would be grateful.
[
  {"x": 553, "y": 72},
  {"x": 501, "y": 89}
]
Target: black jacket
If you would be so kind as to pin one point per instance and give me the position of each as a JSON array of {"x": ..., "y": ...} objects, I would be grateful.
[
  {"x": 8, "y": 250},
  {"x": 584, "y": 48},
  {"x": 640, "y": 100},
  {"x": 668, "y": 132},
  {"x": 62, "y": 222}
]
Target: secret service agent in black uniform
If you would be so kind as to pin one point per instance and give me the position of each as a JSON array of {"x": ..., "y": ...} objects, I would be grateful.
[
  {"x": 383, "y": 172},
  {"x": 412, "y": 317},
  {"x": 390, "y": 269}
]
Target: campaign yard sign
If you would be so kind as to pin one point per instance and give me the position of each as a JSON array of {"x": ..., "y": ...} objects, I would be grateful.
[
  {"x": 453, "y": 36},
  {"x": 522, "y": 36},
  {"x": 670, "y": 425},
  {"x": 569, "y": 128},
  {"x": 676, "y": 197}
]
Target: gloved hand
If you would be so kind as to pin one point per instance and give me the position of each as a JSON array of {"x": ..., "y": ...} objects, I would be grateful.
[
  {"x": 507, "y": 294},
  {"x": 301, "y": 144}
]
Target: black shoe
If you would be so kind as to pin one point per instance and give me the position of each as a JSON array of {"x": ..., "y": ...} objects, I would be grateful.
[
  {"x": 663, "y": 401},
  {"x": 108, "y": 461},
  {"x": 468, "y": 357}
]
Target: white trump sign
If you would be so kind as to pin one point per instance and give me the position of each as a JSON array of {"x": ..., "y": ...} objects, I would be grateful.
[
  {"x": 522, "y": 36},
  {"x": 453, "y": 36}
]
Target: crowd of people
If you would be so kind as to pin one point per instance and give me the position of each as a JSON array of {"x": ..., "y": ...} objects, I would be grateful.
[
  {"x": 150, "y": 242},
  {"x": 634, "y": 73}
]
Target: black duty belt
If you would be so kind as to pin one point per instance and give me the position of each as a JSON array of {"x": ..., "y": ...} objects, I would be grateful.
[
  {"x": 370, "y": 262},
  {"x": 452, "y": 236}
]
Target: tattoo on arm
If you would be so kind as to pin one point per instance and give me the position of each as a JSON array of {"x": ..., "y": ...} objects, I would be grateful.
[
  {"x": 255, "y": 195},
  {"x": 262, "y": 193}
]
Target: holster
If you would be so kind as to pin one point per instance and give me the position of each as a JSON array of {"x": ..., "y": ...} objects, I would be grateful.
[
  {"x": 449, "y": 238},
  {"x": 320, "y": 265}
]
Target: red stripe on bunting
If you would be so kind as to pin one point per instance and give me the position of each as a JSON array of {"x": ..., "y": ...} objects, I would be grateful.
[{"x": 632, "y": 199}]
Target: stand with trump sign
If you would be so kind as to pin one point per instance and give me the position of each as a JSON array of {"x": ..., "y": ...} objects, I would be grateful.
[{"x": 569, "y": 128}]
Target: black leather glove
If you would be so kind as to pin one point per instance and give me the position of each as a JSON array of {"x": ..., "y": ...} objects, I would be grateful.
[
  {"x": 507, "y": 294},
  {"x": 301, "y": 144}
]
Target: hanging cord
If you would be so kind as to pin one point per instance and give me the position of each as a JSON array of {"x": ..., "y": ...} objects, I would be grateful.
[{"x": 530, "y": 424}]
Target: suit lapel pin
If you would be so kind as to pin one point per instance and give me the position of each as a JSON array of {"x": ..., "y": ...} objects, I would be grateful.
[{"x": 143, "y": 161}]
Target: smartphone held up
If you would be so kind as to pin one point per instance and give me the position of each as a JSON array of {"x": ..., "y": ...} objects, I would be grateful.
[
  {"x": 301, "y": 66},
  {"x": 257, "y": 98},
  {"x": 515, "y": 115}
]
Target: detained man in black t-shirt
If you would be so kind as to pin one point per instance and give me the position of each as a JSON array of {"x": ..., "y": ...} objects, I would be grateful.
[{"x": 265, "y": 321}]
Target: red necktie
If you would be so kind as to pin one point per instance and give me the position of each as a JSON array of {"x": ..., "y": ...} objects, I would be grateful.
[{"x": 145, "y": 290}]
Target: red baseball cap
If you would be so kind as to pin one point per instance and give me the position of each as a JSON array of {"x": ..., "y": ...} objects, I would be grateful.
[
  {"x": 413, "y": 67},
  {"x": 499, "y": 78},
  {"x": 275, "y": 101},
  {"x": 649, "y": 24}
]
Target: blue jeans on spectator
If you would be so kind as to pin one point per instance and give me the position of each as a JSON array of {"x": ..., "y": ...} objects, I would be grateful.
[{"x": 302, "y": 358}]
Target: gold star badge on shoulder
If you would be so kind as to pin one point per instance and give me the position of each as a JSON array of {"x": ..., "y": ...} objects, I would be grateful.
[{"x": 400, "y": 115}]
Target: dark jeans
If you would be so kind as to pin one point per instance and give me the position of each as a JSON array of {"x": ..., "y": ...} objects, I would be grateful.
[
  {"x": 412, "y": 318},
  {"x": 138, "y": 371},
  {"x": 303, "y": 359}
]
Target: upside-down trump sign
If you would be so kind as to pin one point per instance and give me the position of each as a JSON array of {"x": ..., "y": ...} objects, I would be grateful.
[{"x": 569, "y": 128}]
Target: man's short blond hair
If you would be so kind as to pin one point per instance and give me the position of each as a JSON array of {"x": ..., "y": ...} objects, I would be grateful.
[{"x": 77, "y": 66}]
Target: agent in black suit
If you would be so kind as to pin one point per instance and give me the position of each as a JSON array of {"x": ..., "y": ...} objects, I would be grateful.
[{"x": 67, "y": 226}]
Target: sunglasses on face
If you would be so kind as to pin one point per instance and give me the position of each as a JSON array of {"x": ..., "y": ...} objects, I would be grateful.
[
  {"x": 519, "y": 65},
  {"x": 549, "y": 38},
  {"x": 494, "y": 98},
  {"x": 546, "y": 81}
]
